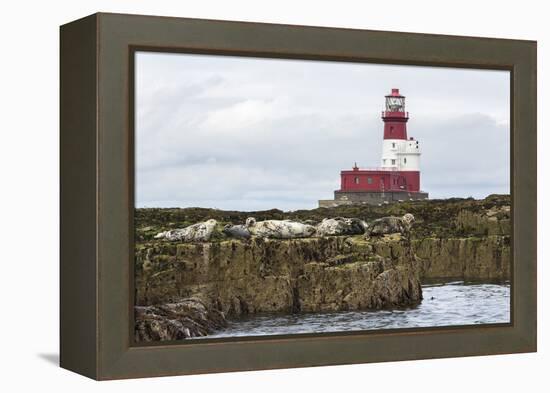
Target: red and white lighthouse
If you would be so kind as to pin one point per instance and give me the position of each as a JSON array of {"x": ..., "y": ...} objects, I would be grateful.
[{"x": 398, "y": 177}]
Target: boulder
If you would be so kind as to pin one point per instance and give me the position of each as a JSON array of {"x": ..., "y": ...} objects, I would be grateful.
[
  {"x": 176, "y": 321},
  {"x": 332, "y": 273}
]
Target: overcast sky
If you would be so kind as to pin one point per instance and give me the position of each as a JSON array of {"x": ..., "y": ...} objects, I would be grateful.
[{"x": 250, "y": 134}]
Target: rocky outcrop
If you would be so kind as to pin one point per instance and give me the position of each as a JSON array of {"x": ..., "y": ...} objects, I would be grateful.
[
  {"x": 263, "y": 275},
  {"x": 185, "y": 288},
  {"x": 482, "y": 259},
  {"x": 493, "y": 221},
  {"x": 478, "y": 249},
  {"x": 470, "y": 259},
  {"x": 433, "y": 218},
  {"x": 175, "y": 321},
  {"x": 357, "y": 286}
]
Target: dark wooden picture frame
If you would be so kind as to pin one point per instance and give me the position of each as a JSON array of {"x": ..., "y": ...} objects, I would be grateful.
[{"x": 97, "y": 202}]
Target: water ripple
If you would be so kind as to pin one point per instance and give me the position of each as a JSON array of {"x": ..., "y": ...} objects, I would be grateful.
[{"x": 450, "y": 304}]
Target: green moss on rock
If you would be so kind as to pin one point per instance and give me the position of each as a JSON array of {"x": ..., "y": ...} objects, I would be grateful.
[{"x": 451, "y": 239}]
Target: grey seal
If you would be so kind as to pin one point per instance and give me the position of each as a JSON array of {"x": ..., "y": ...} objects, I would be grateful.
[
  {"x": 341, "y": 226},
  {"x": 388, "y": 225},
  {"x": 238, "y": 231},
  {"x": 279, "y": 229},
  {"x": 199, "y": 232}
]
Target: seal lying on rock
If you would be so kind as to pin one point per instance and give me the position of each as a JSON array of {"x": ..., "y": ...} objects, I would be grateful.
[
  {"x": 341, "y": 226},
  {"x": 199, "y": 232},
  {"x": 238, "y": 231},
  {"x": 279, "y": 229},
  {"x": 388, "y": 225}
]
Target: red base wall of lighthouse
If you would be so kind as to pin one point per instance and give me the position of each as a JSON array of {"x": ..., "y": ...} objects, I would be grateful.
[{"x": 379, "y": 180}]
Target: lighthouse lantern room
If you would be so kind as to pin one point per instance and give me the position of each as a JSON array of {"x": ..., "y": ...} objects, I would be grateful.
[{"x": 398, "y": 177}]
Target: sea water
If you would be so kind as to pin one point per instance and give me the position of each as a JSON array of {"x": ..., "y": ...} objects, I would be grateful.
[{"x": 450, "y": 304}]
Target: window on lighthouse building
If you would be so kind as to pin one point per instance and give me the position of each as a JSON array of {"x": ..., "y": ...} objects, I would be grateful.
[
  {"x": 356, "y": 180},
  {"x": 393, "y": 162}
]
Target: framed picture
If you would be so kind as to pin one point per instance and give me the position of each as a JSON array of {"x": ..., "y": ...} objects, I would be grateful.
[{"x": 242, "y": 196}]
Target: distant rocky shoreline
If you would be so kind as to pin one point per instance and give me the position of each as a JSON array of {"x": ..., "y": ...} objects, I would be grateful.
[{"x": 187, "y": 289}]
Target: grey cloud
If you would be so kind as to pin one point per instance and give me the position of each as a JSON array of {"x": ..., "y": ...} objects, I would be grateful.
[{"x": 258, "y": 134}]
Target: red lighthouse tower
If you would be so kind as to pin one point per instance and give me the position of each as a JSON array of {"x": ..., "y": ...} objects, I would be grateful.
[
  {"x": 395, "y": 118},
  {"x": 398, "y": 176}
]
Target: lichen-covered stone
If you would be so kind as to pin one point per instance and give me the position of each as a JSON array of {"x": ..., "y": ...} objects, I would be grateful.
[
  {"x": 433, "y": 218},
  {"x": 176, "y": 321},
  {"x": 493, "y": 221},
  {"x": 360, "y": 285},
  {"x": 462, "y": 239},
  {"x": 484, "y": 258},
  {"x": 269, "y": 275}
]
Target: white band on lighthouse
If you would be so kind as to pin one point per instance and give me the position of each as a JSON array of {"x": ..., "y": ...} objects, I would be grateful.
[{"x": 402, "y": 155}]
